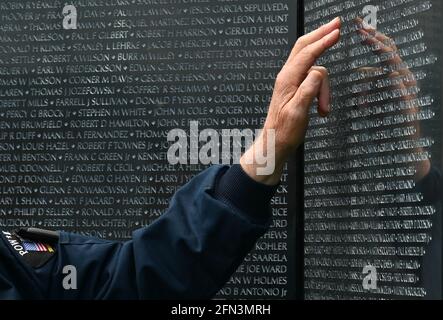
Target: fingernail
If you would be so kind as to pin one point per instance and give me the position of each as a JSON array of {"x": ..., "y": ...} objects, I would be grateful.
[
  {"x": 336, "y": 19},
  {"x": 324, "y": 113},
  {"x": 333, "y": 34}
]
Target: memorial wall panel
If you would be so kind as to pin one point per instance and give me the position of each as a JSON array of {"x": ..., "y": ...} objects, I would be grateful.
[
  {"x": 372, "y": 169},
  {"x": 90, "y": 89}
]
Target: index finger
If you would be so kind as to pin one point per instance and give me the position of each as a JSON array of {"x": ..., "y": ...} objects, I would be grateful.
[
  {"x": 314, "y": 36},
  {"x": 297, "y": 70}
]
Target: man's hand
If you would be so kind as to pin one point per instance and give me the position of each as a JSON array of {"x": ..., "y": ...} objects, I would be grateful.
[{"x": 296, "y": 86}]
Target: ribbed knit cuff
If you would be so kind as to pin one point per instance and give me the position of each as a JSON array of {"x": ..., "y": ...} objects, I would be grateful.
[{"x": 238, "y": 190}]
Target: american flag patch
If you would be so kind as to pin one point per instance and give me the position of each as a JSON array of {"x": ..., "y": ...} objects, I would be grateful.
[{"x": 37, "y": 246}]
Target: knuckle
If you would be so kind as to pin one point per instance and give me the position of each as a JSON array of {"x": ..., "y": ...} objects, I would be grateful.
[
  {"x": 308, "y": 53},
  {"x": 291, "y": 114},
  {"x": 320, "y": 72},
  {"x": 302, "y": 41},
  {"x": 306, "y": 93},
  {"x": 280, "y": 79},
  {"x": 317, "y": 75},
  {"x": 303, "y": 94}
]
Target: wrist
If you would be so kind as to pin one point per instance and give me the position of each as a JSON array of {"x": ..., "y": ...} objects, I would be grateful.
[{"x": 254, "y": 170}]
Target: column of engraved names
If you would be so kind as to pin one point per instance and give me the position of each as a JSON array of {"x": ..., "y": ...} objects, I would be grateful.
[
  {"x": 86, "y": 112},
  {"x": 63, "y": 133},
  {"x": 361, "y": 207},
  {"x": 30, "y": 168},
  {"x": 241, "y": 52}
]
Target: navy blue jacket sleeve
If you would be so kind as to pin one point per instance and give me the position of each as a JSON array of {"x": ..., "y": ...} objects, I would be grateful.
[{"x": 188, "y": 253}]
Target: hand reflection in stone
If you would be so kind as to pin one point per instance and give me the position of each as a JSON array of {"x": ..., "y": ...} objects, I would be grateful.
[
  {"x": 394, "y": 72},
  {"x": 399, "y": 78}
]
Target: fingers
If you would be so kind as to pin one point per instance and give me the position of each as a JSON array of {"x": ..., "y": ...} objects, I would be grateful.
[
  {"x": 377, "y": 35},
  {"x": 308, "y": 90},
  {"x": 385, "y": 45},
  {"x": 299, "y": 80},
  {"x": 381, "y": 43},
  {"x": 314, "y": 36},
  {"x": 398, "y": 83},
  {"x": 308, "y": 49},
  {"x": 324, "y": 93},
  {"x": 296, "y": 70}
]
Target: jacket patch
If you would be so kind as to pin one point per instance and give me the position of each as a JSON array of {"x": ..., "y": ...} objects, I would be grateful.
[
  {"x": 15, "y": 243},
  {"x": 34, "y": 253},
  {"x": 37, "y": 246}
]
